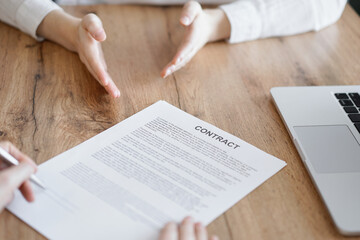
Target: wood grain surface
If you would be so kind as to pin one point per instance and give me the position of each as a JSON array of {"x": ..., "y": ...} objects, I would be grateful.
[{"x": 50, "y": 103}]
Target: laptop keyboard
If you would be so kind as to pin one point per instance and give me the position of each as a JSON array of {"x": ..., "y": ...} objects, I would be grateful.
[{"x": 351, "y": 105}]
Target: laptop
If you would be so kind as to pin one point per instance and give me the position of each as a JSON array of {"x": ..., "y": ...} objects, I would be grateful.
[{"x": 324, "y": 124}]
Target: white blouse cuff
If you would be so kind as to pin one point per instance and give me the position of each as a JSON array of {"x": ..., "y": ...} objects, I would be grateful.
[
  {"x": 29, "y": 23},
  {"x": 244, "y": 19}
]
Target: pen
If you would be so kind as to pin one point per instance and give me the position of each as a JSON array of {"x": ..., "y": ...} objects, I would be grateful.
[{"x": 12, "y": 161}]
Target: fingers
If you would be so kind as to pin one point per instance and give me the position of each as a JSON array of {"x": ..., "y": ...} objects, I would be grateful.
[
  {"x": 200, "y": 232},
  {"x": 14, "y": 177},
  {"x": 11, "y": 179},
  {"x": 102, "y": 58},
  {"x": 189, "y": 13},
  {"x": 5, "y": 198},
  {"x": 93, "y": 25},
  {"x": 93, "y": 58},
  {"x": 187, "y": 229},
  {"x": 26, "y": 191},
  {"x": 173, "y": 65},
  {"x": 168, "y": 69},
  {"x": 186, "y": 51},
  {"x": 92, "y": 55},
  {"x": 112, "y": 88},
  {"x": 169, "y": 232},
  {"x": 16, "y": 153},
  {"x": 96, "y": 65},
  {"x": 184, "y": 55}
]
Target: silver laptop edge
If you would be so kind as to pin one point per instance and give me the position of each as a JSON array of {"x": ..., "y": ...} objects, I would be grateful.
[{"x": 329, "y": 146}]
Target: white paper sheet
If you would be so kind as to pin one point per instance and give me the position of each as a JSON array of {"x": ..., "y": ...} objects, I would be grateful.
[{"x": 159, "y": 165}]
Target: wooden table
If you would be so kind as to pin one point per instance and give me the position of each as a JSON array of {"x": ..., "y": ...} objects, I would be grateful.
[{"x": 50, "y": 103}]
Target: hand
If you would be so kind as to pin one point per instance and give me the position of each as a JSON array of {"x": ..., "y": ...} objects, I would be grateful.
[
  {"x": 90, "y": 34},
  {"x": 15, "y": 177},
  {"x": 188, "y": 230},
  {"x": 83, "y": 36},
  {"x": 202, "y": 26}
]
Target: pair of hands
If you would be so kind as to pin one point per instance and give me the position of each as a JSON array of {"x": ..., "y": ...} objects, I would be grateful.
[
  {"x": 17, "y": 177},
  {"x": 85, "y": 37}
]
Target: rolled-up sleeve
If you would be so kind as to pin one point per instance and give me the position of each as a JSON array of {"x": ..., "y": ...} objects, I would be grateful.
[
  {"x": 26, "y": 15},
  {"x": 253, "y": 19}
]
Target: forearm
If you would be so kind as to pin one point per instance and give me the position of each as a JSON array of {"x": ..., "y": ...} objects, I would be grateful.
[{"x": 60, "y": 27}]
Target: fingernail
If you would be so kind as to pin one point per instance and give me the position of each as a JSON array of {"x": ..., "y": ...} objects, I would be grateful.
[
  {"x": 185, "y": 20},
  {"x": 178, "y": 60},
  {"x": 171, "y": 225},
  {"x": 118, "y": 93},
  {"x": 167, "y": 73},
  {"x": 99, "y": 34},
  {"x": 172, "y": 68},
  {"x": 198, "y": 225}
]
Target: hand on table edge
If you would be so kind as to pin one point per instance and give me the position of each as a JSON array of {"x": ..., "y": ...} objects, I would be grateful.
[
  {"x": 15, "y": 177},
  {"x": 202, "y": 26},
  {"x": 83, "y": 36}
]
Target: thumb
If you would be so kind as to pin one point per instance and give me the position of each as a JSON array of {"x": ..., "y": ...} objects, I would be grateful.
[
  {"x": 190, "y": 11},
  {"x": 93, "y": 25},
  {"x": 14, "y": 176}
]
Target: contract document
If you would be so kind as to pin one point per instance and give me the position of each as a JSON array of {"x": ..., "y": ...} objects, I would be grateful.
[{"x": 158, "y": 165}]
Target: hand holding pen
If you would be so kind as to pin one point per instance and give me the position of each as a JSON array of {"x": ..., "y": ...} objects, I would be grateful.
[{"x": 14, "y": 177}]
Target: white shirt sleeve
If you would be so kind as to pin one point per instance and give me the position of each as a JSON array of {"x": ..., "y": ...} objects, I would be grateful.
[
  {"x": 253, "y": 19},
  {"x": 26, "y": 15}
]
